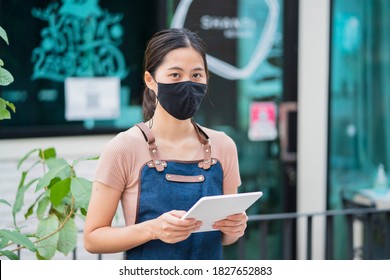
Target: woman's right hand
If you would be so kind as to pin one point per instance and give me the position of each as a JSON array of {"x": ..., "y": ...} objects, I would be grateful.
[{"x": 170, "y": 228}]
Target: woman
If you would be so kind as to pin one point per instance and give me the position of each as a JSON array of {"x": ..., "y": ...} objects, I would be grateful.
[{"x": 160, "y": 168}]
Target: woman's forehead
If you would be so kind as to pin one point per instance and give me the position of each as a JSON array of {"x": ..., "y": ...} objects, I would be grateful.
[{"x": 183, "y": 58}]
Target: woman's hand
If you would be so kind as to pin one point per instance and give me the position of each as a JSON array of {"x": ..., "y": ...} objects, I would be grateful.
[
  {"x": 170, "y": 228},
  {"x": 233, "y": 225}
]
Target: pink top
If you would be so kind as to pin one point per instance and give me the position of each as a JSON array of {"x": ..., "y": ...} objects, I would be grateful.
[{"x": 123, "y": 157}]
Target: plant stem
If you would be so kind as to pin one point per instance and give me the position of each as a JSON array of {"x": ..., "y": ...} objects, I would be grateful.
[{"x": 71, "y": 212}]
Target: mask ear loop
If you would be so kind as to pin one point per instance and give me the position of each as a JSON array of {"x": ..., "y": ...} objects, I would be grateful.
[{"x": 150, "y": 123}]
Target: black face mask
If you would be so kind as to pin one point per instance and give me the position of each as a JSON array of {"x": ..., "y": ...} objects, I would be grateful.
[{"x": 181, "y": 100}]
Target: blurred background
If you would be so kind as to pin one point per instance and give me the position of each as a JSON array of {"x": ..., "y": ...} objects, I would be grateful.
[{"x": 300, "y": 85}]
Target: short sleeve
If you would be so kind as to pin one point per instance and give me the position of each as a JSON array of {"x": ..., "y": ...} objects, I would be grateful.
[
  {"x": 232, "y": 179},
  {"x": 114, "y": 164}
]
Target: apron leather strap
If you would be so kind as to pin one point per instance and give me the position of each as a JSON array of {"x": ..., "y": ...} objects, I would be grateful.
[
  {"x": 205, "y": 141},
  {"x": 156, "y": 161},
  {"x": 159, "y": 164}
]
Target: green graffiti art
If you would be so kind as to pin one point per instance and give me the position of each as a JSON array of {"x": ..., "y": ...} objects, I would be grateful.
[{"x": 81, "y": 40}]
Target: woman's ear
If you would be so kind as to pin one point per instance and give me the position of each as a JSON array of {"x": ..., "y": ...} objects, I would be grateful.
[{"x": 149, "y": 81}]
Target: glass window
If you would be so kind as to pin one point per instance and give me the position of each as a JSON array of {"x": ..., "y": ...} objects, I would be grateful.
[
  {"x": 53, "y": 40},
  {"x": 359, "y": 118}
]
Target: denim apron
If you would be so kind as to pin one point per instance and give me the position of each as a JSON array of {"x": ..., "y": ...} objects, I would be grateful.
[{"x": 177, "y": 185}]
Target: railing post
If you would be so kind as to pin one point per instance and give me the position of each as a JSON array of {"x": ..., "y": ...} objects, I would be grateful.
[
  {"x": 350, "y": 249},
  {"x": 241, "y": 248},
  {"x": 387, "y": 235},
  {"x": 329, "y": 238},
  {"x": 367, "y": 246},
  {"x": 287, "y": 225},
  {"x": 309, "y": 241},
  {"x": 263, "y": 240}
]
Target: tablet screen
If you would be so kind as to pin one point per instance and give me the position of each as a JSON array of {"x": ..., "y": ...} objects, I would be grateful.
[{"x": 210, "y": 209}]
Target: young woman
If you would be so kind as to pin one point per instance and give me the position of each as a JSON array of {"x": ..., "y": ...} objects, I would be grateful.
[{"x": 158, "y": 169}]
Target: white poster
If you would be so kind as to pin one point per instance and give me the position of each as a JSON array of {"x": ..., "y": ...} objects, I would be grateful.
[{"x": 95, "y": 98}]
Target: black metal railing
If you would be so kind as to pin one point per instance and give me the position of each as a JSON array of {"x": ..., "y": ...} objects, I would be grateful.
[{"x": 375, "y": 224}]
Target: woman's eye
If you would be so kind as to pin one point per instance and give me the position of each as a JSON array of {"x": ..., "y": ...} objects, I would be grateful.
[
  {"x": 197, "y": 76},
  {"x": 175, "y": 75}
]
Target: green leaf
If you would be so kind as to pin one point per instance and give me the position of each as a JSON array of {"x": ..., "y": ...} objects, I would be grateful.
[
  {"x": 48, "y": 153},
  {"x": 3, "y": 35},
  {"x": 19, "y": 201},
  {"x": 3, "y": 242},
  {"x": 11, "y": 106},
  {"x": 29, "y": 212},
  {"x": 42, "y": 207},
  {"x": 81, "y": 189},
  {"x": 18, "y": 238},
  {"x": 10, "y": 255},
  {"x": 19, "y": 195},
  {"x": 39, "y": 257},
  {"x": 26, "y": 156},
  {"x": 54, "y": 172},
  {"x": 61, "y": 208},
  {"x": 6, "y": 77},
  {"x": 47, "y": 247},
  {"x": 4, "y": 114},
  {"x": 5, "y": 202},
  {"x": 4, "y": 104},
  {"x": 59, "y": 191},
  {"x": 77, "y": 161},
  {"x": 53, "y": 163},
  {"x": 31, "y": 183},
  {"x": 83, "y": 211},
  {"x": 68, "y": 237},
  {"x": 53, "y": 182}
]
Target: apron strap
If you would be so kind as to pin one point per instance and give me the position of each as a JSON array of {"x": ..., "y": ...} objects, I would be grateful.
[
  {"x": 159, "y": 164},
  {"x": 205, "y": 141},
  {"x": 156, "y": 161}
]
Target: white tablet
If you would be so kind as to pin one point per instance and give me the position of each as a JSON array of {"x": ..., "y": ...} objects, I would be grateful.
[{"x": 210, "y": 209}]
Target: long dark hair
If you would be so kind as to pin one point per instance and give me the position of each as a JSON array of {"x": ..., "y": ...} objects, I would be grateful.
[{"x": 158, "y": 47}]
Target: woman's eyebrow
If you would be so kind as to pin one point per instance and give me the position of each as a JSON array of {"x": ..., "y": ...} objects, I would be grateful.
[
  {"x": 181, "y": 69},
  {"x": 198, "y": 69},
  {"x": 176, "y": 68}
]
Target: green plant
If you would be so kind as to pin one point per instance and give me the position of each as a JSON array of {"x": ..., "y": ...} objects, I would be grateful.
[
  {"x": 5, "y": 79},
  {"x": 59, "y": 197}
]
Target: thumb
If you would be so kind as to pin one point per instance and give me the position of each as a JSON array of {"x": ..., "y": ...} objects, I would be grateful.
[{"x": 177, "y": 213}]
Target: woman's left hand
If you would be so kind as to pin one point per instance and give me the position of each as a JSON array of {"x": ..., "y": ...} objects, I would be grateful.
[{"x": 233, "y": 225}]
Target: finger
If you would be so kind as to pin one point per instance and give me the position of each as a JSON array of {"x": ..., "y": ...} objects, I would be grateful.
[
  {"x": 177, "y": 213},
  {"x": 230, "y": 223},
  {"x": 183, "y": 229},
  {"x": 235, "y": 227},
  {"x": 234, "y": 231},
  {"x": 172, "y": 236},
  {"x": 171, "y": 223},
  {"x": 175, "y": 239},
  {"x": 175, "y": 218},
  {"x": 240, "y": 216}
]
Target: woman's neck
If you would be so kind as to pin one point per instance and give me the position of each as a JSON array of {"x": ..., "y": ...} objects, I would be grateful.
[{"x": 170, "y": 129}]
